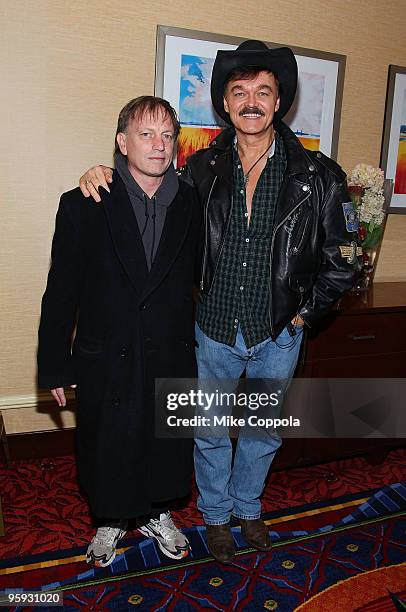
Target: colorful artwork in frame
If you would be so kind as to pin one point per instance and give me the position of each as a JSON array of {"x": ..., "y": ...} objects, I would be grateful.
[
  {"x": 183, "y": 71},
  {"x": 393, "y": 155}
]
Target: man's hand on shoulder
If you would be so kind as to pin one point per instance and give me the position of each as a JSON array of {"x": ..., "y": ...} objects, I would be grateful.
[
  {"x": 59, "y": 395},
  {"x": 90, "y": 182}
]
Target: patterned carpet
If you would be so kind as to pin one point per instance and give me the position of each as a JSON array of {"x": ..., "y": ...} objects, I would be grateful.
[
  {"x": 44, "y": 510},
  {"x": 316, "y": 547}
]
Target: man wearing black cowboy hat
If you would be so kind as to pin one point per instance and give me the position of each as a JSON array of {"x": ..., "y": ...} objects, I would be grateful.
[{"x": 275, "y": 218}]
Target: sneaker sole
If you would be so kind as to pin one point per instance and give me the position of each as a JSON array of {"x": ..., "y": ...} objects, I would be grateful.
[
  {"x": 91, "y": 559},
  {"x": 150, "y": 534},
  {"x": 98, "y": 562}
]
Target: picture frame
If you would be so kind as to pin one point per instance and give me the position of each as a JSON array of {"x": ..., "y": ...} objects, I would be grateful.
[
  {"x": 393, "y": 150},
  {"x": 184, "y": 60}
]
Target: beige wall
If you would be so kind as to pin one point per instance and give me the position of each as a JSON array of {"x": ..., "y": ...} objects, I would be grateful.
[{"x": 68, "y": 67}]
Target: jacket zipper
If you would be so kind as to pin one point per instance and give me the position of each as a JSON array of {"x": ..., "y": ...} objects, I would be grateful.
[
  {"x": 297, "y": 248},
  {"x": 307, "y": 196},
  {"x": 205, "y": 234}
]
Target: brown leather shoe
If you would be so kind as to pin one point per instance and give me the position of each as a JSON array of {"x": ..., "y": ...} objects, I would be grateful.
[
  {"x": 220, "y": 542},
  {"x": 256, "y": 533}
]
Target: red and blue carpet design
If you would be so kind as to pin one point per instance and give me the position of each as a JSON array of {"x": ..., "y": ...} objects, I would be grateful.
[
  {"x": 316, "y": 546},
  {"x": 44, "y": 511}
]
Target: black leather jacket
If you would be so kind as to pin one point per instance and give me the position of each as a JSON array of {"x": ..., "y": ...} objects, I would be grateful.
[{"x": 308, "y": 270}]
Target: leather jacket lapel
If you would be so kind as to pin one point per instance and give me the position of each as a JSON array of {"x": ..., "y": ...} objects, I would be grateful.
[
  {"x": 222, "y": 168},
  {"x": 297, "y": 184}
]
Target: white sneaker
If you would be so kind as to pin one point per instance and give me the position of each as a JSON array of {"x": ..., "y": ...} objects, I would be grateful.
[
  {"x": 170, "y": 539},
  {"x": 102, "y": 549}
]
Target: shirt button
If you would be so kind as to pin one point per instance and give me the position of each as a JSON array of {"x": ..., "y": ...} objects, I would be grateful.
[
  {"x": 247, "y": 240},
  {"x": 245, "y": 214},
  {"x": 239, "y": 166},
  {"x": 244, "y": 264},
  {"x": 241, "y": 191},
  {"x": 241, "y": 288}
]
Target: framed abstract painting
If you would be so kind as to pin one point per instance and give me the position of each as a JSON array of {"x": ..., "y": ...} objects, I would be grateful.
[
  {"x": 184, "y": 62},
  {"x": 393, "y": 153}
]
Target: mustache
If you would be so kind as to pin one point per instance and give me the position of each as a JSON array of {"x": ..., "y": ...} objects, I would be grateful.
[{"x": 251, "y": 109}]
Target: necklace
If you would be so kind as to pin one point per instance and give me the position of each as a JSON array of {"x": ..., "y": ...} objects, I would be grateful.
[{"x": 247, "y": 175}]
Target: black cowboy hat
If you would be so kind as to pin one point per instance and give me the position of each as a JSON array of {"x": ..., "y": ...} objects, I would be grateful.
[{"x": 280, "y": 61}]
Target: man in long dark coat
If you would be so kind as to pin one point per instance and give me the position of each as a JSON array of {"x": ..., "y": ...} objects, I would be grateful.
[{"x": 123, "y": 273}]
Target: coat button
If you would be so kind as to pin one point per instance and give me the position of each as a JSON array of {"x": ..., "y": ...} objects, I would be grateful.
[
  {"x": 116, "y": 401},
  {"x": 312, "y": 168},
  {"x": 305, "y": 188},
  {"x": 143, "y": 307},
  {"x": 212, "y": 162},
  {"x": 318, "y": 155},
  {"x": 123, "y": 352}
]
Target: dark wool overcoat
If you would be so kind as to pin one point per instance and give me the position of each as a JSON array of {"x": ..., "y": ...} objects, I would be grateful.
[{"x": 132, "y": 326}]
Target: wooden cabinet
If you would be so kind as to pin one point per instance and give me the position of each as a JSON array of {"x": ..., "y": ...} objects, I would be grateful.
[{"x": 363, "y": 337}]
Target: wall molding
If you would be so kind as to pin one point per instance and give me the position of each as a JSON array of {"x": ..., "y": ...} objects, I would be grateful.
[
  {"x": 36, "y": 412},
  {"x": 11, "y": 402}
]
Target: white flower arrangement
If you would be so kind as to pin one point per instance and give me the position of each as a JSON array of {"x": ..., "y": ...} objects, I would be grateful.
[
  {"x": 371, "y": 209},
  {"x": 366, "y": 176},
  {"x": 369, "y": 200}
]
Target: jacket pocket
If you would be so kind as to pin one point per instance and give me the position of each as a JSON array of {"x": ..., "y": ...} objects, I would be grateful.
[
  {"x": 87, "y": 347},
  {"x": 302, "y": 235},
  {"x": 300, "y": 283}
]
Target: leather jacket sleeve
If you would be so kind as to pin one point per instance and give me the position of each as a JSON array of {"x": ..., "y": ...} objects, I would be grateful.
[{"x": 340, "y": 257}]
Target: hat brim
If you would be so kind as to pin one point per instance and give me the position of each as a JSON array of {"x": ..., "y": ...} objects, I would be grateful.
[{"x": 280, "y": 61}]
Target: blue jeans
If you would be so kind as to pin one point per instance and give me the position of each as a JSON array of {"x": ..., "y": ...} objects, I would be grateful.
[{"x": 226, "y": 489}]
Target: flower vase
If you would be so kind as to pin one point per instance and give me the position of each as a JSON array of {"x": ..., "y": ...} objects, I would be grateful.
[
  {"x": 371, "y": 240},
  {"x": 366, "y": 274}
]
